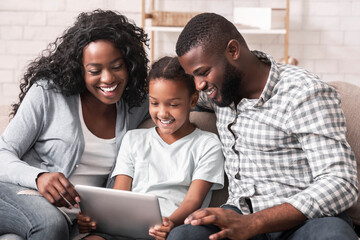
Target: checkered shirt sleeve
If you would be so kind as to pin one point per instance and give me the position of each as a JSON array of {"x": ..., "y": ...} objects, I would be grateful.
[{"x": 318, "y": 123}]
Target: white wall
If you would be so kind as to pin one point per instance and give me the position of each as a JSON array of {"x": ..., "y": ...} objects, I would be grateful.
[{"x": 324, "y": 34}]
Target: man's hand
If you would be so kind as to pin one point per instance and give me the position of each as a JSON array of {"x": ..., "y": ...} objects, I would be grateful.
[
  {"x": 236, "y": 226},
  {"x": 57, "y": 189},
  {"x": 85, "y": 224},
  {"x": 161, "y": 232},
  {"x": 232, "y": 224}
]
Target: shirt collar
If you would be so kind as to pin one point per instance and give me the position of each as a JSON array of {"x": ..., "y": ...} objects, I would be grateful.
[{"x": 273, "y": 77}]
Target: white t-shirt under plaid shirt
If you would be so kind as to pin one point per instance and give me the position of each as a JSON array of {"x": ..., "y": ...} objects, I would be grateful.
[{"x": 288, "y": 146}]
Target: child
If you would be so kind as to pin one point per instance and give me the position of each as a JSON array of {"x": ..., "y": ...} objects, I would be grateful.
[{"x": 174, "y": 160}]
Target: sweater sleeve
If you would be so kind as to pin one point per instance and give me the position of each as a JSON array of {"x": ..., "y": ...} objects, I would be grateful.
[{"x": 19, "y": 136}]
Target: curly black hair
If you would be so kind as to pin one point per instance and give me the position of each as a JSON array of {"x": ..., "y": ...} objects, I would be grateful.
[
  {"x": 169, "y": 68},
  {"x": 61, "y": 63},
  {"x": 209, "y": 30}
]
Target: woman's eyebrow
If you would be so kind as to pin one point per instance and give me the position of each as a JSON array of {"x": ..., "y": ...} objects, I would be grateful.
[
  {"x": 97, "y": 64},
  {"x": 92, "y": 64},
  {"x": 116, "y": 59}
]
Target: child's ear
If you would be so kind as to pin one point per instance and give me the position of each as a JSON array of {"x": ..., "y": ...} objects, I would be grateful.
[{"x": 194, "y": 99}]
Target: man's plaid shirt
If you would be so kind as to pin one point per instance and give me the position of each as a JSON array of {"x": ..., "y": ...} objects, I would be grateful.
[{"x": 288, "y": 146}]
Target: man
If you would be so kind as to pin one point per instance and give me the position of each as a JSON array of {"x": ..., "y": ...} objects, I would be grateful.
[{"x": 291, "y": 172}]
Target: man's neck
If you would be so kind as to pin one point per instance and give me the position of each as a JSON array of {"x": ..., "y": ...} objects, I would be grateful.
[{"x": 255, "y": 78}]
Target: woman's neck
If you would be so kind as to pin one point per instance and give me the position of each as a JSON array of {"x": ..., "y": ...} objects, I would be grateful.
[
  {"x": 94, "y": 106},
  {"x": 100, "y": 118}
]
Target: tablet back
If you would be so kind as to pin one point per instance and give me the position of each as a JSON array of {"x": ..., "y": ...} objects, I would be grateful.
[{"x": 120, "y": 213}]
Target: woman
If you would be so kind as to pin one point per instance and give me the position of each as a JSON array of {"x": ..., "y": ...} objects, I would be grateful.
[{"x": 77, "y": 101}]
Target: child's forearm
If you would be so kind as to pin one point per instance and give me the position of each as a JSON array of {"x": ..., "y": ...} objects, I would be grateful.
[
  {"x": 185, "y": 209},
  {"x": 123, "y": 182},
  {"x": 192, "y": 201}
]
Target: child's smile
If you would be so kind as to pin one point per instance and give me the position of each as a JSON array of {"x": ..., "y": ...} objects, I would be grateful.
[{"x": 167, "y": 122}]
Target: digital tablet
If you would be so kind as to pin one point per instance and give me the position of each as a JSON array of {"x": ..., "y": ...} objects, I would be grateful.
[{"x": 120, "y": 213}]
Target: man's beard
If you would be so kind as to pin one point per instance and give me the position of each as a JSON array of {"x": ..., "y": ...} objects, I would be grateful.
[{"x": 229, "y": 92}]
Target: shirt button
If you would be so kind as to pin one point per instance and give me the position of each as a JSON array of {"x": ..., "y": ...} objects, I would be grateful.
[{"x": 76, "y": 165}]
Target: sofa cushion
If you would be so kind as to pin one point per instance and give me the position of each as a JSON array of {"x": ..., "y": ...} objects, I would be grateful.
[{"x": 350, "y": 95}]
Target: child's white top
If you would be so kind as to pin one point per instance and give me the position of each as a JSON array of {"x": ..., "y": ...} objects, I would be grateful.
[{"x": 168, "y": 170}]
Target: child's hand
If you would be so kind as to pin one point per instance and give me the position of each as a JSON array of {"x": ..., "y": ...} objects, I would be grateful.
[
  {"x": 85, "y": 224},
  {"x": 161, "y": 232}
]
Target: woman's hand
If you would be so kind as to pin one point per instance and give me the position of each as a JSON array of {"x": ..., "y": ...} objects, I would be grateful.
[
  {"x": 57, "y": 189},
  {"x": 85, "y": 224},
  {"x": 161, "y": 232}
]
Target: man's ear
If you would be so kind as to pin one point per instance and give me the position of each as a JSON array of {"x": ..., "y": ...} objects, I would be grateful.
[{"x": 233, "y": 49}]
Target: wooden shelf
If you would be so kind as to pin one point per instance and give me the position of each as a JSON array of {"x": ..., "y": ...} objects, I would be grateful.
[
  {"x": 241, "y": 30},
  {"x": 153, "y": 29}
]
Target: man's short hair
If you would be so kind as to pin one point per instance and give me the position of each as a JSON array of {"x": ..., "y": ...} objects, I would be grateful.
[{"x": 209, "y": 30}]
